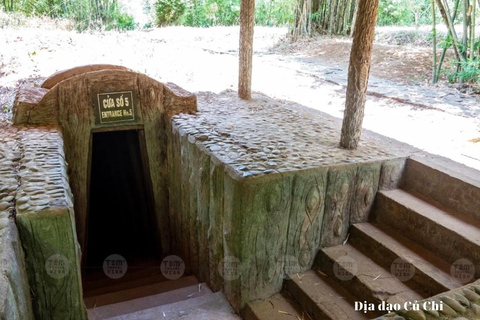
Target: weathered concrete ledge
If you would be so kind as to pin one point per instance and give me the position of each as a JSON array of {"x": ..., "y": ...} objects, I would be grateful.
[
  {"x": 258, "y": 187},
  {"x": 46, "y": 225},
  {"x": 15, "y": 302}
]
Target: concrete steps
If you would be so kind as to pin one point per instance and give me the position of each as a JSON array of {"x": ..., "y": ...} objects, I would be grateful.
[
  {"x": 322, "y": 297},
  {"x": 386, "y": 247},
  {"x": 176, "y": 299},
  {"x": 137, "y": 290},
  {"x": 363, "y": 278},
  {"x": 449, "y": 234},
  {"x": 280, "y": 306},
  {"x": 406, "y": 252},
  {"x": 444, "y": 182}
]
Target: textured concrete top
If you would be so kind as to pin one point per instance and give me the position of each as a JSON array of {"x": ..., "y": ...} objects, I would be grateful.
[
  {"x": 32, "y": 170},
  {"x": 9, "y": 157},
  {"x": 42, "y": 173},
  {"x": 264, "y": 135}
]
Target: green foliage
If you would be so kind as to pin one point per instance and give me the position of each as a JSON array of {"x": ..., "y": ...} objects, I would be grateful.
[
  {"x": 125, "y": 22},
  {"x": 274, "y": 13},
  {"x": 227, "y": 12},
  {"x": 7, "y": 108},
  {"x": 403, "y": 13},
  {"x": 209, "y": 13},
  {"x": 86, "y": 14},
  {"x": 51, "y": 8},
  {"x": 469, "y": 72},
  {"x": 168, "y": 11}
]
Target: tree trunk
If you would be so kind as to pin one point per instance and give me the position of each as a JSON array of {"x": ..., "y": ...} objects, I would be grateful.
[
  {"x": 434, "y": 36},
  {"x": 247, "y": 16},
  {"x": 333, "y": 16},
  {"x": 358, "y": 72},
  {"x": 303, "y": 22},
  {"x": 448, "y": 22},
  {"x": 466, "y": 22},
  {"x": 354, "y": 21},
  {"x": 472, "y": 31},
  {"x": 449, "y": 35}
]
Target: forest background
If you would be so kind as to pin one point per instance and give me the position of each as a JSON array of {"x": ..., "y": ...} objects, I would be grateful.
[{"x": 304, "y": 18}]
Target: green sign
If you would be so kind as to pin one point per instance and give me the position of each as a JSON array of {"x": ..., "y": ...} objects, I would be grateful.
[{"x": 115, "y": 107}]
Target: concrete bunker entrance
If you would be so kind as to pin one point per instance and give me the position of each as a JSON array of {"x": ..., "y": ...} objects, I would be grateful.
[
  {"x": 121, "y": 218},
  {"x": 110, "y": 127}
]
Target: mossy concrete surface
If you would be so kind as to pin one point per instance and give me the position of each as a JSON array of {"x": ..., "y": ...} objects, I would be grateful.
[
  {"x": 46, "y": 223},
  {"x": 15, "y": 301},
  {"x": 252, "y": 200}
]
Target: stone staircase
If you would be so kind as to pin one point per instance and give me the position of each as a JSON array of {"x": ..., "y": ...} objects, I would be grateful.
[
  {"x": 146, "y": 299},
  {"x": 417, "y": 233}
]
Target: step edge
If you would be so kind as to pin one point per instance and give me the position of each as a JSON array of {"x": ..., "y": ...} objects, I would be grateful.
[
  {"x": 469, "y": 222},
  {"x": 128, "y": 285},
  {"x": 290, "y": 301},
  {"x": 181, "y": 286},
  {"x": 420, "y": 263},
  {"x": 346, "y": 296},
  {"x": 129, "y": 304},
  {"x": 209, "y": 297},
  {"x": 452, "y": 170},
  {"x": 362, "y": 281}
]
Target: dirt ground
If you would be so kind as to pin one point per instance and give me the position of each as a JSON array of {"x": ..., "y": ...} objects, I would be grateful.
[
  {"x": 200, "y": 59},
  {"x": 406, "y": 64}
]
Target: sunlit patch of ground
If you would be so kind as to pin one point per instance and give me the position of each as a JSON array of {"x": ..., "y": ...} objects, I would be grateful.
[{"x": 201, "y": 59}]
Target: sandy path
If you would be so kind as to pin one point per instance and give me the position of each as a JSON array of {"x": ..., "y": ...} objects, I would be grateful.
[{"x": 206, "y": 60}]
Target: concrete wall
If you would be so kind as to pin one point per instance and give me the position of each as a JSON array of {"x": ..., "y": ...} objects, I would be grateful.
[
  {"x": 261, "y": 228},
  {"x": 46, "y": 224},
  {"x": 15, "y": 301}
]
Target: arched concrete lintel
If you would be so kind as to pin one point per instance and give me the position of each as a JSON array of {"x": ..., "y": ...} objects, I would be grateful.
[{"x": 62, "y": 75}]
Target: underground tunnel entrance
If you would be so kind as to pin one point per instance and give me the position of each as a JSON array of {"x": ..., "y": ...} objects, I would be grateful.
[{"x": 121, "y": 218}]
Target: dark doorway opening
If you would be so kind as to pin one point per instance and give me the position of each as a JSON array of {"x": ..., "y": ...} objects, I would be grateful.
[{"x": 121, "y": 218}]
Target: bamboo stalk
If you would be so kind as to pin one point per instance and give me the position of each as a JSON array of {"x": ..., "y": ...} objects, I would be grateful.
[
  {"x": 444, "y": 51},
  {"x": 472, "y": 30},
  {"x": 466, "y": 22},
  {"x": 448, "y": 21}
]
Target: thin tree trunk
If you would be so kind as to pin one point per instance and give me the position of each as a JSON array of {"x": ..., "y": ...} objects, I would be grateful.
[
  {"x": 448, "y": 22},
  {"x": 326, "y": 14},
  {"x": 449, "y": 35},
  {"x": 346, "y": 17},
  {"x": 358, "y": 73},
  {"x": 434, "y": 35},
  {"x": 309, "y": 17},
  {"x": 466, "y": 22},
  {"x": 331, "y": 27},
  {"x": 341, "y": 15},
  {"x": 247, "y": 17},
  {"x": 354, "y": 23},
  {"x": 472, "y": 30}
]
